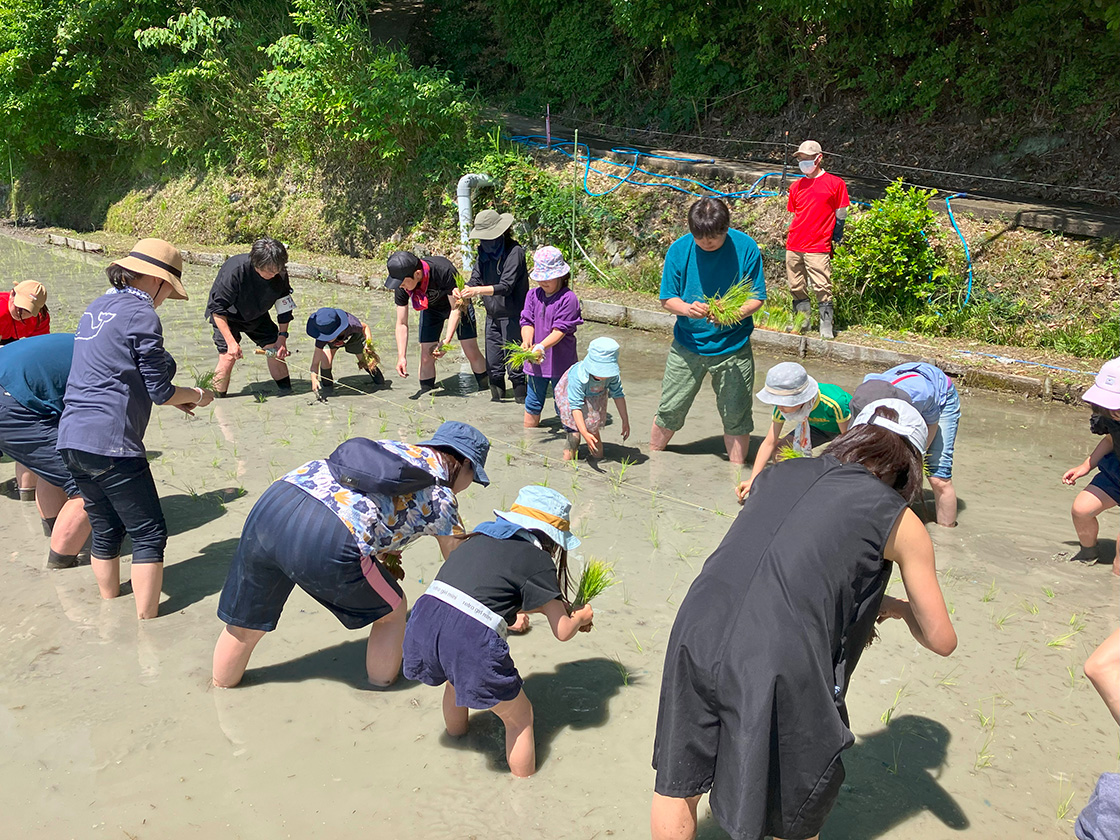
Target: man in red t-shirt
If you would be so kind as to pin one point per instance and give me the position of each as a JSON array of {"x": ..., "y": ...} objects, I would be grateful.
[
  {"x": 819, "y": 203},
  {"x": 23, "y": 312}
]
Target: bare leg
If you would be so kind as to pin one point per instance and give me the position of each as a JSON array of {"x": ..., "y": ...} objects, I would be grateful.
[
  {"x": 25, "y": 479},
  {"x": 384, "y": 650},
  {"x": 428, "y": 361},
  {"x": 454, "y": 717},
  {"x": 1087, "y": 506},
  {"x": 671, "y": 818},
  {"x": 474, "y": 355},
  {"x": 571, "y": 448},
  {"x": 147, "y": 581},
  {"x": 71, "y": 529},
  {"x": 231, "y": 654},
  {"x": 1103, "y": 670},
  {"x": 108, "y": 574},
  {"x": 737, "y": 447},
  {"x": 521, "y": 750},
  {"x": 223, "y": 371},
  {"x": 944, "y": 501},
  {"x": 532, "y": 421},
  {"x": 48, "y": 498},
  {"x": 276, "y": 368},
  {"x": 659, "y": 437}
]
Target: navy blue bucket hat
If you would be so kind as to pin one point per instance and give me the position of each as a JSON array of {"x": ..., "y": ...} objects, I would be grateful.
[
  {"x": 327, "y": 324},
  {"x": 467, "y": 441}
]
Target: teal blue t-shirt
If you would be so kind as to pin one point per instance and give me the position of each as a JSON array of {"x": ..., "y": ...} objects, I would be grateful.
[{"x": 693, "y": 274}]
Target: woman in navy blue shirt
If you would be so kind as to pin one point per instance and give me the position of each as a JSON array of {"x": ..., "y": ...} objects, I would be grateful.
[{"x": 120, "y": 369}]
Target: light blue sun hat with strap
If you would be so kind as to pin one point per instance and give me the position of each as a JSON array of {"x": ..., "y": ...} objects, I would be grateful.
[
  {"x": 602, "y": 358},
  {"x": 540, "y": 508}
]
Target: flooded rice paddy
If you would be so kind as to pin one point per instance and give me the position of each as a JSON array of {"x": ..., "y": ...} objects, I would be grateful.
[{"x": 108, "y": 728}]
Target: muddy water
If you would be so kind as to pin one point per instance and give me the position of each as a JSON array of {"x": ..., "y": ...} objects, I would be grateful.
[{"x": 109, "y": 729}]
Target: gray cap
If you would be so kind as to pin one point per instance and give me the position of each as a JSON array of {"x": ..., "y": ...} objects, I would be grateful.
[{"x": 788, "y": 384}]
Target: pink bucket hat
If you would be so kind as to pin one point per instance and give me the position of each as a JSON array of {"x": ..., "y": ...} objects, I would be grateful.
[
  {"x": 1106, "y": 390},
  {"x": 548, "y": 264}
]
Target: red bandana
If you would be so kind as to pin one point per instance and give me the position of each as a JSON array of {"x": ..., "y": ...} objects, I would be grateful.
[{"x": 419, "y": 295}]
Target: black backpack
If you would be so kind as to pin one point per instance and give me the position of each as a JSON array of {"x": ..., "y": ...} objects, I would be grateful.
[{"x": 368, "y": 467}]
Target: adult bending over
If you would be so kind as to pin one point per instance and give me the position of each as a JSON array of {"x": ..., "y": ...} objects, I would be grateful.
[
  {"x": 323, "y": 527},
  {"x": 764, "y": 645},
  {"x": 120, "y": 368},
  {"x": 706, "y": 262},
  {"x": 246, "y": 287}
]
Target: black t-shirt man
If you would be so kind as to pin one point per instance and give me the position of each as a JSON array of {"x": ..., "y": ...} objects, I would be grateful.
[{"x": 441, "y": 283}]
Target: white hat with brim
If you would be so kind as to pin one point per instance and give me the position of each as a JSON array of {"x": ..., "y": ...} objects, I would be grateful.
[
  {"x": 788, "y": 384},
  {"x": 1105, "y": 390},
  {"x": 160, "y": 259},
  {"x": 909, "y": 424}
]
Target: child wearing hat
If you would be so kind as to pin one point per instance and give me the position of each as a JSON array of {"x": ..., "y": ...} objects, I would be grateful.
[
  {"x": 581, "y": 397},
  {"x": 818, "y": 413},
  {"x": 548, "y": 327},
  {"x": 335, "y": 329},
  {"x": 23, "y": 312},
  {"x": 456, "y": 634},
  {"x": 1103, "y": 491}
]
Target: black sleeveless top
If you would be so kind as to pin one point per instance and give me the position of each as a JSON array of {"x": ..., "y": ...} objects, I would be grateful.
[{"x": 765, "y": 643}]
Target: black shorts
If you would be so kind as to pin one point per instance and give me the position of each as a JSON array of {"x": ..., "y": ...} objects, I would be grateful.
[
  {"x": 32, "y": 439},
  {"x": 292, "y": 538},
  {"x": 262, "y": 332},
  {"x": 431, "y": 325}
]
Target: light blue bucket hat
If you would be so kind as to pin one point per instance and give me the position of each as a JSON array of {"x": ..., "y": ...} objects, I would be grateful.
[
  {"x": 543, "y": 509},
  {"x": 602, "y": 358}
]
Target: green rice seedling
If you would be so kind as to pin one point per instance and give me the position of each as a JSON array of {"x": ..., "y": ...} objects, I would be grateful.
[
  {"x": 990, "y": 595},
  {"x": 952, "y": 608},
  {"x": 1073, "y": 678},
  {"x": 984, "y": 755},
  {"x": 1063, "y": 806},
  {"x": 596, "y": 577},
  {"x": 788, "y": 452},
  {"x": 575, "y": 484},
  {"x": 1029, "y": 606},
  {"x": 1048, "y": 592},
  {"x": 583, "y": 530},
  {"x": 517, "y": 356},
  {"x": 654, "y": 539},
  {"x": 1063, "y": 639},
  {"x": 1021, "y": 658},
  {"x": 1003, "y": 618},
  {"x": 886, "y": 716},
  {"x": 1076, "y": 622},
  {"x": 896, "y": 750},
  {"x": 204, "y": 380},
  {"x": 623, "y": 671},
  {"x": 260, "y": 396},
  {"x": 368, "y": 359},
  {"x": 544, "y": 479},
  {"x": 636, "y": 642},
  {"x": 947, "y": 681},
  {"x": 726, "y": 310},
  {"x": 509, "y": 455},
  {"x": 986, "y": 721},
  {"x": 384, "y": 428}
]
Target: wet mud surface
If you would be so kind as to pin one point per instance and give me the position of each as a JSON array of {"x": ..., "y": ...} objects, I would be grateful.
[{"x": 110, "y": 729}]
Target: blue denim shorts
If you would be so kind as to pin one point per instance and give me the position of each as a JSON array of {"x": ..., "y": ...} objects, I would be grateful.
[
  {"x": 443, "y": 644},
  {"x": 939, "y": 458}
]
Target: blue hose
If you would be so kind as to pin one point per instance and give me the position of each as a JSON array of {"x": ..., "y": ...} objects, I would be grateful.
[
  {"x": 673, "y": 182},
  {"x": 967, "y": 253}
]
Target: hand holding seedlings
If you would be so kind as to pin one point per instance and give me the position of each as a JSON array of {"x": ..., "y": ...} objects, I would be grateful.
[
  {"x": 698, "y": 309},
  {"x": 729, "y": 309}
]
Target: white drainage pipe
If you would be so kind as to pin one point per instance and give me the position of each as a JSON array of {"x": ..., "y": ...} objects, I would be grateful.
[{"x": 464, "y": 195}]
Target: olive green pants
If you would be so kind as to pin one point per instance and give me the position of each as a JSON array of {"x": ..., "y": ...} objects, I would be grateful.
[{"x": 732, "y": 380}]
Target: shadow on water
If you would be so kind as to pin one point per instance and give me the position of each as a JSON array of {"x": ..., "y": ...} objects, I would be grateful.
[
  {"x": 891, "y": 777},
  {"x": 344, "y": 663},
  {"x": 198, "y": 577},
  {"x": 187, "y": 511},
  {"x": 712, "y": 445},
  {"x": 575, "y": 695}
]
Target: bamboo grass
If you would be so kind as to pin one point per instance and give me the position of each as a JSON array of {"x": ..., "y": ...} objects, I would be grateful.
[
  {"x": 725, "y": 310},
  {"x": 596, "y": 577},
  {"x": 516, "y": 356}
]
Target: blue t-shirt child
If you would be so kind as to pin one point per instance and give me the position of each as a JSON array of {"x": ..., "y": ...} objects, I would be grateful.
[{"x": 693, "y": 274}]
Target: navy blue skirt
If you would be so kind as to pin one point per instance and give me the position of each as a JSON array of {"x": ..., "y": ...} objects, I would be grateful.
[{"x": 442, "y": 644}]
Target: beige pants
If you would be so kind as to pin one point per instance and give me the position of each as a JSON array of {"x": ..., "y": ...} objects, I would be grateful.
[{"x": 809, "y": 270}]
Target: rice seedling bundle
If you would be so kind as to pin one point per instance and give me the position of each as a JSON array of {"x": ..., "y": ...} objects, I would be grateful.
[
  {"x": 205, "y": 380},
  {"x": 368, "y": 358},
  {"x": 787, "y": 452},
  {"x": 725, "y": 310},
  {"x": 596, "y": 577},
  {"x": 516, "y": 356},
  {"x": 462, "y": 303}
]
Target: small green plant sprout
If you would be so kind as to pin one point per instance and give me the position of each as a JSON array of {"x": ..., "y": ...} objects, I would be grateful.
[
  {"x": 1063, "y": 639},
  {"x": 984, "y": 755},
  {"x": 726, "y": 310},
  {"x": 260, "y": 396},
  {"x": 1021, "y": 658},
  {"x": 1048, "y": 592},
  {"x": 1029, "y": 606},
  {"x": 990, "y": 595},
  {"x": 623, "y": 671},
  {"x": 1076, "y": 622},
  {"x": 204, "y": 380},
  {"x": 1062, "y": 807},
  {"x": 596, "y": 577},
  {"x": 896, "y": 749},
  {"x": 1003, "y": 618},
  {"x": 1073, "y": 678},
  {"x": 509, "y": 455},
  {"x": 517, "y": 356},
  {"x": 636, "y": 642},
  {"x": 788, "y": 452},
  {"x": 654, "y": 539},
  {"x": 886, "y": 716},
  {"x": 986, "y": 721},
  {"x": 949, "y": 680}
]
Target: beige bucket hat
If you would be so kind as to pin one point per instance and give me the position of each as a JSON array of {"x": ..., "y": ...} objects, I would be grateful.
[
  {"x": 490, "y": 224},
  {"x": 157, "y": 258}
]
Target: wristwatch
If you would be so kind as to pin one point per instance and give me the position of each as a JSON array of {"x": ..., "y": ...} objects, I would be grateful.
[{"x": 283, "y": 334}]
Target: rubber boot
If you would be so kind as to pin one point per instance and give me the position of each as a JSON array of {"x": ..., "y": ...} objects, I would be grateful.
[
  {"x": 483, "y": 380},
  {"x": 802, "y": 315},
  {"x": 426, "y": 385},
  {"x": 826, "y": 312},
  {"x": 497, "y": 392},
  {"x": 519, "y": 392}
]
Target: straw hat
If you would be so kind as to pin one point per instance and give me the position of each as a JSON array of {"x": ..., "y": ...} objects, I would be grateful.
[
  {"x": 489, "y": 224},
  {"x": 543, "y": 509},
  {"x": 157, "y": 258},
  {"x": 30, "y": 295}
]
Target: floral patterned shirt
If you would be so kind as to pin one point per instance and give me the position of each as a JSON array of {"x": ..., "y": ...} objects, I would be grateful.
[{"x": 385, "y": 523}]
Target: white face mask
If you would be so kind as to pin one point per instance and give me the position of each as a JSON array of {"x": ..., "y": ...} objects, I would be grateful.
[
  {"x": 796, "y": 417},
  {"x": 807, "y": 166}
]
